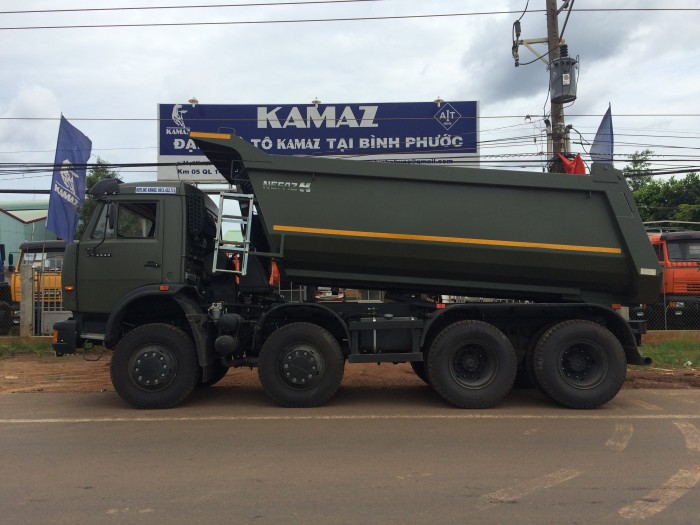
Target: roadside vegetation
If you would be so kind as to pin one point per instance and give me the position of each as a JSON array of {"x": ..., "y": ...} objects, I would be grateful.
[
  {"x": 680, "y": 353},
  {"x": 11, "y": 346}
]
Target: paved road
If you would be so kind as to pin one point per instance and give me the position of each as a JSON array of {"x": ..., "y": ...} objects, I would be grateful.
[{"x": 370, "y": 456}]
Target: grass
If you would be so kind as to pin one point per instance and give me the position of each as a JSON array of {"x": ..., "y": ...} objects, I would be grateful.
[
  {"x": 680, "y": 353},
  {"x": 12, "y": 346}
]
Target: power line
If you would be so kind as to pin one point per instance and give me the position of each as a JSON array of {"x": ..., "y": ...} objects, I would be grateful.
[
  {"x": 325, "y": 20},
  {"x": 479, "y": 117},
  {"x": 172, "y": 7}
]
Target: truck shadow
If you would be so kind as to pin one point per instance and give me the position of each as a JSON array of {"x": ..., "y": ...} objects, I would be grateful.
[{"x": 361, "y": 396}]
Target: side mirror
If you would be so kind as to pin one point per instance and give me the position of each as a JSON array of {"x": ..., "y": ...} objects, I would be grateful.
[{"x": 11, "y": 261}]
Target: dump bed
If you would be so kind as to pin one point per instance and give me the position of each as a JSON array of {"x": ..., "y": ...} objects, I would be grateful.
[{"x": 462, "y": 231}]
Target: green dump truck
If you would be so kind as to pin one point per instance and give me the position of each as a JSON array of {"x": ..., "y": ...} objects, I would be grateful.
[{"x": 157, "y": 279}]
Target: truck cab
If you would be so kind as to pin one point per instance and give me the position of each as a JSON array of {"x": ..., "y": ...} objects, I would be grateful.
[
  {"x": 46, "y": 256},
  {"x": 679, "y": 302},
  {"x": 146, "y": 254}
]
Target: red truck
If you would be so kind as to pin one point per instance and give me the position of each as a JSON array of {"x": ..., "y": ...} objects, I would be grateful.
[{"x": 678, "y": 306}]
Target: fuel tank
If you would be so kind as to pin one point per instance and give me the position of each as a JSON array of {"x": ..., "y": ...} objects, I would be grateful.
[{"x": 462, "y": 231}]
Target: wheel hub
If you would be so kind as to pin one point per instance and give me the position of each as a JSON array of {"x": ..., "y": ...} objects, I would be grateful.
[
  {"x": 301, "y": 366},
  {"x": 472, "y": 367},
  {"x": 152, "y": 367},
  {"x": 577, "y": 363}
]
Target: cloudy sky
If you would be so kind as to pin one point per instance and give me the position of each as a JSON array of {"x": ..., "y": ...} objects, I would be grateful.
[{"x": 108, "y": 80}]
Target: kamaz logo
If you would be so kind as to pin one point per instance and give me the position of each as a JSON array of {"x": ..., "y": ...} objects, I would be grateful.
[
  {"x": 312, "y": 117},
  {"x": 303, "y": 187}
]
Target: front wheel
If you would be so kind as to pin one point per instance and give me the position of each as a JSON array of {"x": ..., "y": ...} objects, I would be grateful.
[
  {"x": 154, "y": 366},
  {"x": 579, "y": 364},
  {"x": 301, "y": 365},
  {"x": 472, "y": 364}
]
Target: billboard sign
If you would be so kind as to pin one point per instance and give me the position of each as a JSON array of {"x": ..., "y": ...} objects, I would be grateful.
[{"x": 416, "y": 132}]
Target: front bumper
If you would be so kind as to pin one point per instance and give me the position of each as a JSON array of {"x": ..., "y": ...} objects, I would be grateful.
[{"x": 65, "y": 337}]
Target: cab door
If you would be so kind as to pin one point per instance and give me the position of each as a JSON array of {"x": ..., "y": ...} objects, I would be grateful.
[{"x": 122, "y": 251}]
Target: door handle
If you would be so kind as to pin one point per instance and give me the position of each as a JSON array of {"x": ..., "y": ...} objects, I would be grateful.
[{"x": 152, "y": 264}]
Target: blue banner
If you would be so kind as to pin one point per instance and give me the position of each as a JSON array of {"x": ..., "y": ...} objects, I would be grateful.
[
  {"x": 410, "y": 128},
  {"x": 68, "y": 183}
]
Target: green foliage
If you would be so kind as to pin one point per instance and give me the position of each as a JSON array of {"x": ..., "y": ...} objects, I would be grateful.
[
  {"x": 97, "y": 173},
  {"x": 637, "y": 172},
  {"x": 672, "y": 200}
]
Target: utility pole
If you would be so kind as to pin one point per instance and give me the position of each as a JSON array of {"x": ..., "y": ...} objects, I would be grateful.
[
  {"x": 557, "y": 110},
  {"x": 562, "y": 77}
]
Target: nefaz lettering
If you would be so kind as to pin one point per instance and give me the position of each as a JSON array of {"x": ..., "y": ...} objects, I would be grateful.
[{"x": 303, "y": 187}]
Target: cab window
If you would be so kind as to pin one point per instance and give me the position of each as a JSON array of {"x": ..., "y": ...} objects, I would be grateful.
[
  {"x": 685, "y": 250},
  {"x": 136, "y": 220},
  {"x": 126, "y": 220}
]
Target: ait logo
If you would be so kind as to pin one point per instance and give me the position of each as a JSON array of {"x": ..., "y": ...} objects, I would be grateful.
[
  {"x": 180, "y": 128},
  {"x": 447, "y": 116}
]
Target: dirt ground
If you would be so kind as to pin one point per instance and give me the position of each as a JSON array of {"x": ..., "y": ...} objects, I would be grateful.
[{"x": 90, "y": 373}]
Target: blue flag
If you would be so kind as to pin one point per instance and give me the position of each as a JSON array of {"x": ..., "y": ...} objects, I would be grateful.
[
  {"x": 603, "y": 143},
  {"x": 68, "y": 183}
]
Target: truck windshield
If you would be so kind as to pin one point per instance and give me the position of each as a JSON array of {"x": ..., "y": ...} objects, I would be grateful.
[
  {"x": 47, "y": 261},
  {"x": 686, "y": 250}
]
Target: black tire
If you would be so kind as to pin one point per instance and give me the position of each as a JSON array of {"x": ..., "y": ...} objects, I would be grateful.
[
  {"x": 472, "y": 364},
  {"x": 218, "y": 372},
  {"x": 579, "y": 364},
  {"x": 5, "y": 319},
  {"x": 525, "y": 378},
  {"x": 155, "y": 366},
  {"x": 419, "y": 369},
  {"x": 301, "y": 365}
]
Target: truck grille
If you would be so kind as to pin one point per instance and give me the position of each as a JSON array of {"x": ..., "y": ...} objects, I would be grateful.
[{"x": 686, "y": 286}]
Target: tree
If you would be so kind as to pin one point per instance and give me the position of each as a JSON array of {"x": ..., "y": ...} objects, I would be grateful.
[
  {"x": 670, "y": 200},
  {"x": 638, "y": 171},
  {"x": 97, "y": 173}
]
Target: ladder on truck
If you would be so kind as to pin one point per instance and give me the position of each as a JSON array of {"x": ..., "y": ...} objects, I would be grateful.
[{"x": 237, "y": 250}]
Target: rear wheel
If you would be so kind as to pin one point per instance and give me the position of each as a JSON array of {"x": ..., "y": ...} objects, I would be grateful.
[
  {"x": 472, "y": 364},
  {"x": 301, "y": 365},
  {"x": 579, "y": 364},
  {"x": 154, "y": 366}
]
